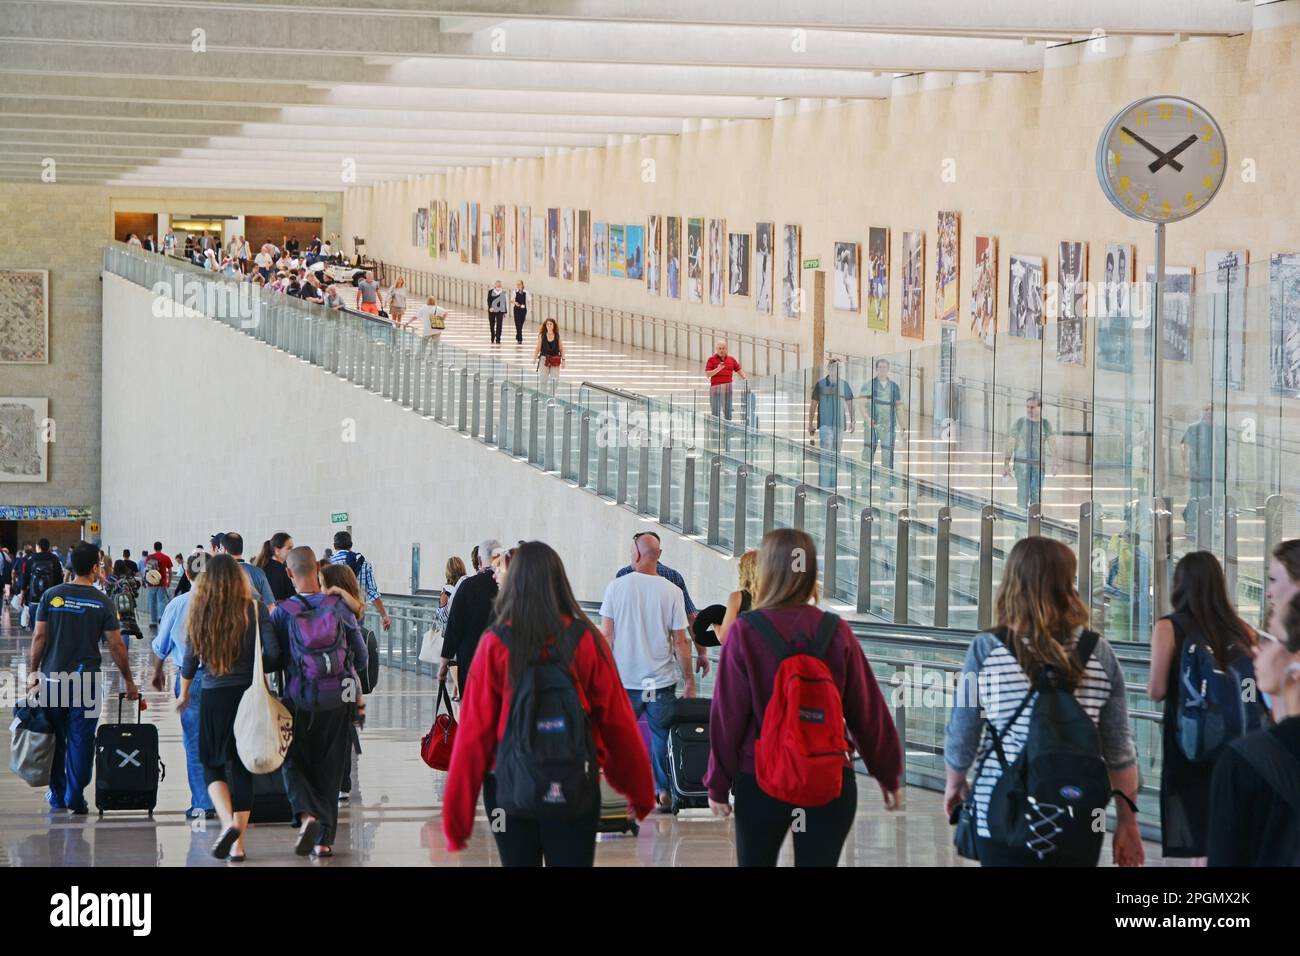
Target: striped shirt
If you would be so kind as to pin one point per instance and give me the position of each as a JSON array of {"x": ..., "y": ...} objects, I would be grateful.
[
  {"x": 366, "y": 577},
  {"x": 999, "y": 685}
]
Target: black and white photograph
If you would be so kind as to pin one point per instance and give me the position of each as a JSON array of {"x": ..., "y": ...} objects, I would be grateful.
[
  {"x": 1224, "y": 295},
  {"x": 717, "y": 260},
  {"x": 913, "y": 319},
  {"x": 695, "y": 260},
  {"x": 738, "y": 263},
  {"x": 553, "y": 242},
  {"x": 846, "y": 293},
  {"x": 1284, "y": 324},
  {"x": 524, "y": 215},
  {"x": 1176, "y": 317},
  {"x": 1114, "y": 347},
  {"x": 764, "y": 266},
  {"x": 1025, "y": 297},
  {"x": 566, "y": 244},
  {"x": 791, "y": 272},
  {"x": 1072, "y": 301}
]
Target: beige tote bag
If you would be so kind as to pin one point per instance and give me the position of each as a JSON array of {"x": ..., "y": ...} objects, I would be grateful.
[{"x": 263, "y": 725}]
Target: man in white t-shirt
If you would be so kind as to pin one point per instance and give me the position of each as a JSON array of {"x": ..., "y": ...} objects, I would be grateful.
[{"x": 643, "y": 617}]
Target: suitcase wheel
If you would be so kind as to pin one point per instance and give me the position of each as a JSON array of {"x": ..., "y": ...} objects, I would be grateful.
[{"x": 634, "y": 827}]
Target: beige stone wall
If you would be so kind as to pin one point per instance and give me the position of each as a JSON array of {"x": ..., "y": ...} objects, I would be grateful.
[{"x": 62, "y": 228}]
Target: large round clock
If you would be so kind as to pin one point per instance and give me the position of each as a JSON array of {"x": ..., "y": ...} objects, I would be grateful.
[{"x": 1161, "y": 159}]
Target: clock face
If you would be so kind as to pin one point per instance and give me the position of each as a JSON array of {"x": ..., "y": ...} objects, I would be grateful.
[{"x": 1161, "y": 159}]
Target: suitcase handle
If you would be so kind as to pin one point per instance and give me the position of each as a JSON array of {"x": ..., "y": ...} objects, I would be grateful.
[{"x": 139, "y": 710}]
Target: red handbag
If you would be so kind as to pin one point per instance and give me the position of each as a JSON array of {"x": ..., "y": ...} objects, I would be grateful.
[{"x": 436, "y": 746}]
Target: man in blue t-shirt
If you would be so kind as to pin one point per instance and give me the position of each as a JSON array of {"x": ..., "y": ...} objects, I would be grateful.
[
  {"x": 71, "y": 619},
  {"x": 829, "y": 411},
  {"x": 883, "y": 399}
]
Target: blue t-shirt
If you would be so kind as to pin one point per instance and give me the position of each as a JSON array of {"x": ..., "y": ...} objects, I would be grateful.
[
  {"x": 261, "y": 587},
  {"x": 76, "y": 619},
  {"x": 885, "y": 397},
  {"x": 831, "y": 402}
]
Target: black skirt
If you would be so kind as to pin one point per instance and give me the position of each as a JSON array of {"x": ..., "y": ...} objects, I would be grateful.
[{"x": 217, "y": 708}]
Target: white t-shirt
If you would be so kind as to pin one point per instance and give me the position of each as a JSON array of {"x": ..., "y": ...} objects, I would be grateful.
[
  {"x": 263, "y": 260},
  {"x": 645, "y": 609},
  {"x": 424, "y": 317}
]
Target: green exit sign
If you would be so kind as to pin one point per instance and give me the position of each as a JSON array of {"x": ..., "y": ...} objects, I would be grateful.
[
  {"x": 339, "y": 517},
  {"x": 812, "y": 263}
]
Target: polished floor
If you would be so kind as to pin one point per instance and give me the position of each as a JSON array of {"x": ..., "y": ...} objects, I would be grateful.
[{"x": 394, "y": 813}]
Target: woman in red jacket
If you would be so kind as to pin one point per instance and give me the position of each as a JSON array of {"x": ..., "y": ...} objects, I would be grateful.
[{"x": 537, "y": 605}]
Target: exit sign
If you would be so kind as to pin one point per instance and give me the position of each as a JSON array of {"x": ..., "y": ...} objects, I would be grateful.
[
  {"x": 339, "y": 517},
  {"x": 812, "y": 263}
]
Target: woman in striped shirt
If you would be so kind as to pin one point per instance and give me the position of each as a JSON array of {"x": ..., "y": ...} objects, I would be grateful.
[{"x": 1042, "y": 617}]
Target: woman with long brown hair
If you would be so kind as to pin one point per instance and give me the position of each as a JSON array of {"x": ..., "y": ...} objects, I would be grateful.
[
  {"x": 223, "y": 624},
  {"x": 785, "y": 624},
  {"x": 1040, "y": 623},
  {"x": 550, "y": 351},
  {"x": 271, "y": 560},
  {"x": 1283, "y": 585},
  {"x": 1203, "y": 612}
]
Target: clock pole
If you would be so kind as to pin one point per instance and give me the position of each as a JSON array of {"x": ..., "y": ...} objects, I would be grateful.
[{"x": 1161, "y": 515}]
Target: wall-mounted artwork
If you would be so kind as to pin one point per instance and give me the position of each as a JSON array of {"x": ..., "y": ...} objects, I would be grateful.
[
  {"x": 1225, "y": 288},
  {"x": 878, "y": 279},
  {"x": 738, "y": 263},
  {"x": 433, "y": 229},
  {"x": 444, "y": 234},
  {"x": 791, "y": 272},
  {"x": 913, "y": 320},
  {"x": 654, "y": 228},
  {"x": 1284, "y": 323},
  {"x": 634, "y": 239},
  {"x": 1025, "y": 297},
  {"x": 673, "y": 256},
  {"x": 422, "y": 228},
  {"x": 617, "y": 251},
  {"x": 846, "y": 296},
  {"x": 1176, "y": 318},
  {"x": 984, "y": 291},
  {"x": 512, "y": 252},
  {"x": 524, "y": 216},
  {"x": 553, "y": 242},
  {"x": 600, "y": 249},
  {"x": 24, "y": 453},
  {"x": 539, "y": 242},
  {"x": 24, "y": 316},
  {"x": 764, "y": 265},
  {"x": 1072, "y": 301},
  {"x": 499, "y": 235},
  {"x": 485, "y": 239},
  {"x": 1114, "y": 345},
  {"x": 717, "y": 260},
  {"x": 453, "y": 231},
  {"x": 415, "y": 228},
  {"x": 475, "y": 250},
  {"x": 947, "y": 273},
  {"x": 566, "y": 244},
  {"x": 695, "y": 260},
  {"x": 584, "y": 245}
]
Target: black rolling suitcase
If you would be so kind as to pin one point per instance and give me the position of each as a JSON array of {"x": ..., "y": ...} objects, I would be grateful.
[
  {"x": 270, "y": 802},
  {"x": 614, "y": 817},
  {"x": 127, "y": 765},
  {"x": 688, "y": 752}
]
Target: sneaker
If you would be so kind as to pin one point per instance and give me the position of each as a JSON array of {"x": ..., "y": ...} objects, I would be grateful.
[{"x": 345, "y": 797}]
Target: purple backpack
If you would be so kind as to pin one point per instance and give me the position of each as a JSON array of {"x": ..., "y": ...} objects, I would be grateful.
[{"x": 320, "y": 674}]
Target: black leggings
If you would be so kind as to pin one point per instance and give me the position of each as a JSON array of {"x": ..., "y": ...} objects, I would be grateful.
[
  {"x": 235, "y": 776},
  {"x": 532, "y": 842},
  {"x": 762, "y": 823},
  {"x": 520, "y": 316}
]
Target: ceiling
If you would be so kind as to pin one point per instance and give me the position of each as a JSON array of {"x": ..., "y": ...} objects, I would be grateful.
[{"x": 325, "y": 94}]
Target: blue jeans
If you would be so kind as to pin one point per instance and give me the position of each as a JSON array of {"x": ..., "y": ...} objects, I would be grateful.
[
  {"x": 157, "y": 603},
  {"x": 1029, "y": 483},
  {"x": 74, "y": 756},
  {"x": 659, "y": 711},
  {"x": 199, "y": 799},
  {"x": 828, "y": 443}
]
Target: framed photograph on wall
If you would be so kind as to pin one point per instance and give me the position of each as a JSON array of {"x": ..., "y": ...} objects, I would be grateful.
[
  {"x": 24, "y": 451},
  {"x": 634, "y": 241},
  {"x": 717, "y": 260},
  {"x": 1114, "y": 345},
  {"x": 524, "y": 216},
  {"x": 984, "y": 291},
  {"x": 24, "y": 317},
  {"x": 878, "y": 278},
  {"x": 695, "y": 260},
  {"x": 433, "y": 229},
  {"x": 444, "y": 234},
  {"x": 1225, "y": 288},
  {"x": 566, "y": 243},
  {"x": 600, "y": 249},
  {"x": 499, "y": 235},
  {"x": 1025, "y": 297},
  {"x": 673, "y": 256},
  {"x": 913, "y": 315},
  {"x": 947, "y": 272},
  {"x": 463, "y": 233},
  {"x": 764, "y": 265},
  {"x": 617, "y": 251},
  {"x": 540, "y": 241},
  {"x": 654, "y": 227},
  {"x": 738, "y": 263},
  {"x": 1072, "y": 301},
  {"x": 512, "y": 251},
  {"x": 584, "y": 245},
  {"x": 1176, "y": 318},
  {"x": 553, "y": 242},
  {"x": 791, "y": 272},
  {"x": 1284, "y": 323},
  {"x": 847, "y": 294},
  {"x": 485, "y": 240}
]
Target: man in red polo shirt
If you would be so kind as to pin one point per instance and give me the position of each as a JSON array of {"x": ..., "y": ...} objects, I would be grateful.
[{"x": 720, "y": 368}]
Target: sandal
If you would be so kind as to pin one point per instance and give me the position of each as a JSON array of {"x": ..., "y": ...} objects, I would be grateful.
[
  {"x": 221, "y": 849},
  {"x": 322, "y": 852},
  {"x": 237, "y": 858},
  {"x": 307, "y": 838}
]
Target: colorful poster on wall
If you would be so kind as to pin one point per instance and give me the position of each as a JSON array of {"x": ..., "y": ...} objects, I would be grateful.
[
  {"x": 499, "y": 235},
  {"x": 913, "y": 315},
  {"x": 444, "y": 233},
  {"x": 764, "y": 265},
  {"x": 878, "y": 279},
  {"x": 1225, "y": 297},
  {"x": 947, "y": 272},
  {"x": 1284, "y": 324},
  {"x": 600, "y": 249},
  {"x": 433, "y": 229},
  {"x": 738, "y": 263},
  {"x": 584, "y": 245},
  {"x": 984, "y": 291},
  {"x": 1114, "y": 345},
  {"x": 566, "y": 243},
  {"x": 717, "y": 260},
  {"x": 695, "y": 260},
  {"x": 462, "y": 230},
  {"x": 617, "y": 251},
  {"x": 525, "y": 221},
  {"x": 791, "y": 272},
  {"x": 1177, "y": 315},
  {"x": 1025, "y": 297},
  {"x": 847, "y": 291},
  {"x": 673, "y": 256},
  {"x": 654, "y": 228},
  {"x": 634, "y": 240},
  {"x": 553, "y": 242},
  {"x": 1072, "y": 301}
]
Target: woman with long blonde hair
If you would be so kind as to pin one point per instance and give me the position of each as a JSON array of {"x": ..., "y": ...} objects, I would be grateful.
[
  {"x": 712, "y": 624},
  {"x": 222, "y": 624},
  {"x": 1040, "y": 630}
]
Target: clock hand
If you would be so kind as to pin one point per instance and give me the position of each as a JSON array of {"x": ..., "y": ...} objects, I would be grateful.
[
  {"x": 1178, "y": 167},
  {"x": 1169, "y": 156}
]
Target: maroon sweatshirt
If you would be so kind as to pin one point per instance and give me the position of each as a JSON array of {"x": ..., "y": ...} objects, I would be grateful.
[{"x": 746, "y": 672}]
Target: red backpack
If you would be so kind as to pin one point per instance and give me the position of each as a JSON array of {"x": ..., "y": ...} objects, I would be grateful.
[{"x": 799, "y": 757}]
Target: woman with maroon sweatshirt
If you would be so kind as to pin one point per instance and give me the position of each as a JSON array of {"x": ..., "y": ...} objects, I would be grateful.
[
  {"x": 537, "y": 604},
  {"x": 787, "y": 590}
]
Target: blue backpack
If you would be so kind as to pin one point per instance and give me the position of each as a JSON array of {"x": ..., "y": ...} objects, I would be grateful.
[
  {"x": 1213, "y": 709},
  {"x": 320, "y": 670}
]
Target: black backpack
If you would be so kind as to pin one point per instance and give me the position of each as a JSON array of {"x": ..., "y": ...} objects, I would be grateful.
[
  {"x": 1278, "y": 768},
  {"x": 546, "y": 767},
  {"x": 1051, "y": 802},
  {"x": 1215, "y": 705},
  {"x": 46, "y": 573}
]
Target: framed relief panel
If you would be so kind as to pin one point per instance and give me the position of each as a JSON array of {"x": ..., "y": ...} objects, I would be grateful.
[{"x": 24, "y": 316}]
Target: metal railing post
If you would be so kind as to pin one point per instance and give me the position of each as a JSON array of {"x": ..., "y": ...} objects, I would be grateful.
[
  {"x": 519, "y": 418},
  {"x": 666, "y": 484},
  {"x": 549, "y": 463},
  {"x": 584, "y": 448},
  {"x": 769, "y": 502},
  {"x": 463, "y": 401},
  {"x": 533, "y": 427},
  {"x": 942, "y": 556},
  {"x": 800, "y": 497},
  {"x": 742, "y": 511},
  {"x": 715, "y": 500},
  {"x": 984, "y": 612},
  {"x": 478, "y": 398},
  {"x": 865, "y": 522},
  {"x": 489, "y": 397},
  {"x": 566, "y": 443},
  {"x": 1084, "y": 558},
  {"x": 831, "y": 546},
  {"x": 688, "y": 494},
  {"x": 902, "y": 542}
]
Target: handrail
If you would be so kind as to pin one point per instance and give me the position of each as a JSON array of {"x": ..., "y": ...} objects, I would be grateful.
[{"x": 611, "y": 390}]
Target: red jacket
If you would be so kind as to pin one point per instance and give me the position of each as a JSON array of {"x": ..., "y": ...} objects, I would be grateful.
[{"x": 483, "y": 714}]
